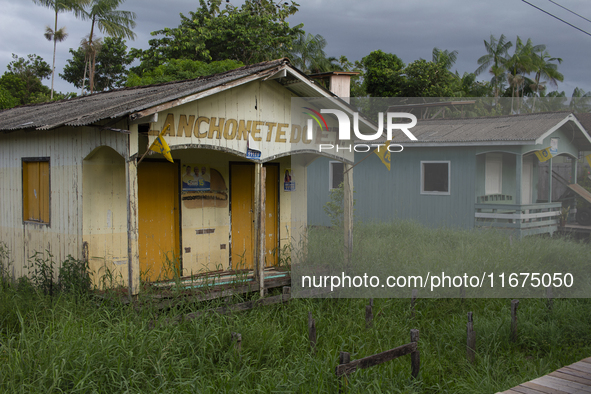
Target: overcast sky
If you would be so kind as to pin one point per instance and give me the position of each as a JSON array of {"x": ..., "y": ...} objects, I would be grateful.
[{"x": 409, "y": 29}]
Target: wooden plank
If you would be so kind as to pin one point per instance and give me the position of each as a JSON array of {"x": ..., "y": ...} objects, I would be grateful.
[
  {"x": 580, "y": 191},
  {"x": 376, "y": 359},
  {"x": 587, "y": 360},
  {"x": 572, "y": 378},
  {"x": 523, "y": 390},
  {"x": 561, "y": 384},
  {"x": 262, "y": 236},
  {"x": 574, "y": 372},
  {"x": 543, "y": 389},
  {"x": 584, "y": 367}
]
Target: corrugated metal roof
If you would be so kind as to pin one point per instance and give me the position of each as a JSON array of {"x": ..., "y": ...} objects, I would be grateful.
[
  {"x": 90, "y": 109},
  {"x": 519, "y": 128}
]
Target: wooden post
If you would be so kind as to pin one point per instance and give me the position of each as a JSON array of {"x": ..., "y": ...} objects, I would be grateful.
[
  {"x": 514, "y": 306},
  {"x": 348, "y": 212},
  {"x": 471, "y": 340},
  {"x": 550, "y": 180},
  {"x": 238, "y": 338},
  {"x": 312, "y": 331},
  {"x": 369, "y": 315},
  {"x": 415, "y": 358},
  {"x": 549, "y": 299},
  {"x": 257, "y": 221},
  {"x": 518, "y": 176},
  {"x": 413, "y": 300},
  {"x": 344, "y": 358},
  {"x": 286, "y": 293},
  {"x": 262, "y": 236}
]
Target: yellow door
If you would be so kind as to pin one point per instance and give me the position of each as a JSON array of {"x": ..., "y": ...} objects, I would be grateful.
[
  {"x": 242, "y": 211},
  {"x": 271, "y": 215},
  {"x": 158, "y": 220},
  {"x": 242, "y": 215}
]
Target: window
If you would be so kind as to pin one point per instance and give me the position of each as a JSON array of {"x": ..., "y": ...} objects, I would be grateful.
[
  {"x": 335, "y": 176},
  {"x": 36, "y": 190},
  {"x": 435, "y": 177}
]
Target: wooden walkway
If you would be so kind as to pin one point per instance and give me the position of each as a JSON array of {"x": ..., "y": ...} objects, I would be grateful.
[{"x": 574, "y": 378}]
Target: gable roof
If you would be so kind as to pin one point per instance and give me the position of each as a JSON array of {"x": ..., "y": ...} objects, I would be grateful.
[
  {"x": 143, "y": 100},
  {"x": 524, "y": 129}
]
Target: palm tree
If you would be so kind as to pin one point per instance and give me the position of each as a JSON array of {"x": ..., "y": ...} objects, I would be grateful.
[
  {"x": 60, "y": 34},
  {"x": 445, "y": 57},
  {"x": 519, "y": 65},
  {"x": 308, "y": 54},
  {"x": 109, "y": 20},
  {"x": 496, "y": 53},
  {"x": 545, "y": 70}
]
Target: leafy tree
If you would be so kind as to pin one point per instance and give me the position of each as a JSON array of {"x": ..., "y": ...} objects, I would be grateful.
[
  {"x": 110, "y": 66},
  {"x": 255, "y": 32},
  {"x": 383, "y": 74},
  {"x": 7, "y": 100},
  {"x": 427, "y": 79},
  {"x": 23, "y": 79},
  {"x": 109, "y": 20},
  {"x": 58, "y": 35},
  {"x": 180, "y": 69}
]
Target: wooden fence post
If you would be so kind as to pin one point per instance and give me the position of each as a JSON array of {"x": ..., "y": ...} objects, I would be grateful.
[
  {"x": 236, "y": 336},
  {"x": 471, "y": 340},
  {"x": 286, "y": 293},
  {"x": 514, "y": 306},
  {"x": 415, "y": 358},
  {"x": 549, "y": 299},
  {"x": 369, "y": 314},
  {"x": 312, "y": 331},
  {"x": 344, "y": 358}
]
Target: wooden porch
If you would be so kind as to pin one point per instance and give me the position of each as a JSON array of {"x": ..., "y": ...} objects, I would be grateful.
[
  {"x": 521, "y": 220},
  {"x": 574, "y": 378}
]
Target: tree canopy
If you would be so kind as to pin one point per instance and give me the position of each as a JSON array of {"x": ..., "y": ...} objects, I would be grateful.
[
  {"x": 110, "y": 67},
  {"x": 255, "y": 32}
]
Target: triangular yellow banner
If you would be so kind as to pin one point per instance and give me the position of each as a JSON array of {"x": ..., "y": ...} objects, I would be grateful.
[{"x": 159, "y": 145}]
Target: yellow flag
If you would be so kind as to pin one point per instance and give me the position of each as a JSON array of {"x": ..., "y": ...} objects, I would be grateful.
[
  {"x": 544, "y": 154},
  {"x": 159, "y": 145},
  {"x": 588, "y": 157},
  {"x": 384, "y": 154}
]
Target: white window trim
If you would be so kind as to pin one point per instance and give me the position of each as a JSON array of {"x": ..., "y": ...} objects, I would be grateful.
[
  {"x": 448, "y": 192},
  {"x": 330, "y": 163}
]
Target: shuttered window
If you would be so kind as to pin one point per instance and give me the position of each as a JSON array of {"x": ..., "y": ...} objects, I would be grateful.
[{"x": 36, "y": 190}]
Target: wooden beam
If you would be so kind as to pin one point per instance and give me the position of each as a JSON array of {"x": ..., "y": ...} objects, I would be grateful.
[
  {"x": 376, "y": 359},
  {"x": 262, "y": 234},
  {"x": 348, "y": 211},
  {"x": 257, "y": 221}
]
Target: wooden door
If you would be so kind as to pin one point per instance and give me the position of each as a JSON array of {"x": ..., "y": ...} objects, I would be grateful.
[
  {"x": 242, "y": 215},
  {"x": 158, "y": 220}
]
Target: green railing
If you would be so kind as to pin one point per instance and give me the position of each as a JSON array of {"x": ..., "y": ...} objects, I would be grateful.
[{"x": 524, "y": 219}]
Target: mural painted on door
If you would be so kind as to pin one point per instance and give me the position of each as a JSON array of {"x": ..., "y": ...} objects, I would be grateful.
[
  {"x": 158, "y": 220},
  {"x": 242, "y": 211}
]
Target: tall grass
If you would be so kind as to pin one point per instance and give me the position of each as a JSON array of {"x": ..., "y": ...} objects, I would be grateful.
[{"x": 80, "y": 344}]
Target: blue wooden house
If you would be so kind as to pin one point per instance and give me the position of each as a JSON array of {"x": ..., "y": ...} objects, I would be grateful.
[{"x": 460, "y": 173}]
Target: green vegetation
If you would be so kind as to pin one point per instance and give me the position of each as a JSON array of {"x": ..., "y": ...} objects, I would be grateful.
[{"x": 66, "y": 343}]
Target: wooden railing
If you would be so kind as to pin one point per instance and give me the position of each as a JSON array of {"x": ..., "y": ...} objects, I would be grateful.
[{"x": 523, "y": 219}]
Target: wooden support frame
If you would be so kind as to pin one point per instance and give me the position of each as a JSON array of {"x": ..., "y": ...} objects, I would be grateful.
[{"x": 348, "y": 211}]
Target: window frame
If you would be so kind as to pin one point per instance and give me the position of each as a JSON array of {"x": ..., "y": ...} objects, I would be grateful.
[
  {"x": 422, "y": 185},
  {"x": 330, "y": 173},
  {"x": 24, "y": 161}
]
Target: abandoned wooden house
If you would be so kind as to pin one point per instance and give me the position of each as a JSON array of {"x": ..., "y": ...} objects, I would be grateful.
[{"x": 70, "y": 182}]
